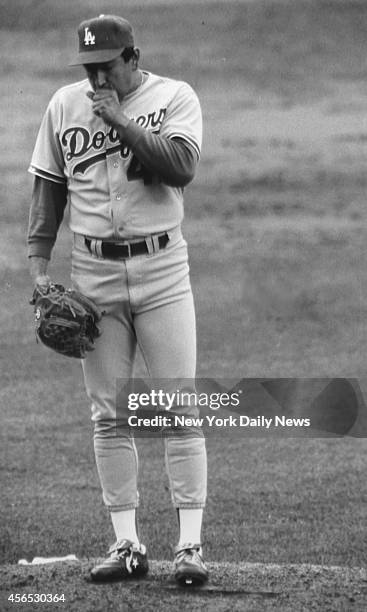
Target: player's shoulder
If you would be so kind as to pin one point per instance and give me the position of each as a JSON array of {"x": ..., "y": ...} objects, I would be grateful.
[
  {"x": 71, "y": 92},
  {"x": 175, "y": 86}
]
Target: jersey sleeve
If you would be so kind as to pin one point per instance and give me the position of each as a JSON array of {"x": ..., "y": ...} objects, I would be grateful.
[
  {"x": 184, "y": 119},
  {"x": 47, "y": 159},
  {"x": 48, "y": 204}
]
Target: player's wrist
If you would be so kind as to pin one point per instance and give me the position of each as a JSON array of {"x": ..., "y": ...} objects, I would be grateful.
[
  {"x": 38, "y": 271},
  {"x": 122, "y": 121}
]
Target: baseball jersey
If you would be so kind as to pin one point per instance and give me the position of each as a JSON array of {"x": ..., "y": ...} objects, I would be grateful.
[{"x": 111, "y": 194}]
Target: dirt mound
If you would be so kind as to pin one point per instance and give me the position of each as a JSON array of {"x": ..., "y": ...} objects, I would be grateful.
[{"x": 248, "y": 586}]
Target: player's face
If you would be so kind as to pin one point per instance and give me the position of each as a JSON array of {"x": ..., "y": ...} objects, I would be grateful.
[{"x": 116, "y": 74}]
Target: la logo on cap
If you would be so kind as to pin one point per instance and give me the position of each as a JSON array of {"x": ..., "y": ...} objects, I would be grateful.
[{"x": 89, "y": 38}]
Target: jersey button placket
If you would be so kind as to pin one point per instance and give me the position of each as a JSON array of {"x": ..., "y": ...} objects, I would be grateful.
[{"x": 116, "y": 178}]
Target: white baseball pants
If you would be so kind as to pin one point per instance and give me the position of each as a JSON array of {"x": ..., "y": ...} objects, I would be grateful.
[{"x": 148, "y": 302}]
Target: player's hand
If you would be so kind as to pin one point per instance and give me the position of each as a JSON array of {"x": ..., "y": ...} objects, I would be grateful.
[
  {"x": 42, "y": 285},
  {"x": 105, "y": 104},
  {"x": 42, "y": 282}
]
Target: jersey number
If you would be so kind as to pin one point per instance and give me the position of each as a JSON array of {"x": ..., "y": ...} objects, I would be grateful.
[{"x": 136, "y": 171}]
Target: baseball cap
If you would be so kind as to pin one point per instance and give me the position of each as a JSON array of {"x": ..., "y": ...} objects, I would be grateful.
[{"x": 103, "y": 38}]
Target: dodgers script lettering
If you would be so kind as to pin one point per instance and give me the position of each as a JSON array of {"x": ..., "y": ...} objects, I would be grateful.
[{"x": 78, "y": 141}]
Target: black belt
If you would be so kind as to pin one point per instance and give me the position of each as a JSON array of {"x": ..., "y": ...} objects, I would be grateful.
[{"x": 117, "y": 250}]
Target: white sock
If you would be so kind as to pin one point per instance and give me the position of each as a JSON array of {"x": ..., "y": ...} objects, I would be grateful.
[
  {"x": 190, "y": 525},
  {"x": 124, "y": 524}
]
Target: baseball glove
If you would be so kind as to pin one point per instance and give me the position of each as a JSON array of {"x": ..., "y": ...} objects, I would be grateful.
[{"x": 66, "y": 320}]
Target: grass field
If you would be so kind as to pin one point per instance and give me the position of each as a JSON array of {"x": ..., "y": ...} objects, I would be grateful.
[{"x": 276, "y": 224}]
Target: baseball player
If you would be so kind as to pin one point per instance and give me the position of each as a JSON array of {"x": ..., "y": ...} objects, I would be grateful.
[{"x": 119, "y": 147}]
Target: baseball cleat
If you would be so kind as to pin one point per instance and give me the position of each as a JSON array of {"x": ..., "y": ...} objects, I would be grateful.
[
  {"x": 125, "y": 560},
  {"x": 190, "y": 568}
]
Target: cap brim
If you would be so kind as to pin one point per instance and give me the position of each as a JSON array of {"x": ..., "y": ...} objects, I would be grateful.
[{"x": 96, "y": 57}]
